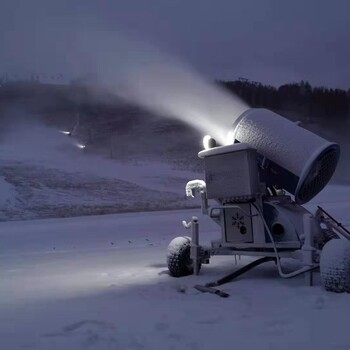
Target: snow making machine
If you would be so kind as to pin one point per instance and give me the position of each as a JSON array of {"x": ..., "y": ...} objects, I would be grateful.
[{"x": 254, "y": 190}]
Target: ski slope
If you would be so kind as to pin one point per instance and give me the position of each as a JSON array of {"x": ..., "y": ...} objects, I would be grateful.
[{"x": 101, "y": 282}]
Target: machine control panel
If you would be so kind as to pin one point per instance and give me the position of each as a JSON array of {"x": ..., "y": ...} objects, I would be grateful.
[{"x": 238, "y": 225}]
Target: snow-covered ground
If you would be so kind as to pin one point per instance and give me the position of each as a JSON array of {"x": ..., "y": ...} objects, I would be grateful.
[
  {"x": 101, "y": 282},
  {"x": 43, "y": 174}
]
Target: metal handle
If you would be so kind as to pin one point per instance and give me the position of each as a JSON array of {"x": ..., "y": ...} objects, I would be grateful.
[{"x": 186, "y": 225}]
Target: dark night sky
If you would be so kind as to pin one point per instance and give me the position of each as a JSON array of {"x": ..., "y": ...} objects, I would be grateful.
[{"x": 272, "y": 41}]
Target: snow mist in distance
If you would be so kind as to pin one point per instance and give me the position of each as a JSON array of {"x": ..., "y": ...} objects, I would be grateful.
[
  {"x": 131, "y": 69},
  {"x": 24, "y": 138},
  {"x": 142, "y": 74}
]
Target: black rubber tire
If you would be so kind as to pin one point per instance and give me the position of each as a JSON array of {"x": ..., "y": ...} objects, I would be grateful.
[
  {"x": 179, "y": 257},
  {"x": 335, "y": 266}
]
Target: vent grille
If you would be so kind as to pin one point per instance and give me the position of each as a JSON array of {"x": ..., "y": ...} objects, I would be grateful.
[{"x": 319, "y": 175}]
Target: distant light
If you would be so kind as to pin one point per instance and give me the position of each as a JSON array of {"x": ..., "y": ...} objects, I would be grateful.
[
  {"x": 79, "y": 145},
  {"x": 66, "y": 132},
  {"x": 208, "y": 142}
]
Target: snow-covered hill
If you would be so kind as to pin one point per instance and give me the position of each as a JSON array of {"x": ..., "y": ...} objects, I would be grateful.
[
  {"x": 101, "y": 282},
  {"x": 44, "y": 174},
  {"x": 133, "y": 161}
]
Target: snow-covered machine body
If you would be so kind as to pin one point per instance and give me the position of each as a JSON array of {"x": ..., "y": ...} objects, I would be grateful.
[
  {"x": 255, "y": 186},
  {"x": 290, "y": 156}
]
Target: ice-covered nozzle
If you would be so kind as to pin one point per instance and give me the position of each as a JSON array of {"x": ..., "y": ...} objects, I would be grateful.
[{"x": 289, "y": 156}]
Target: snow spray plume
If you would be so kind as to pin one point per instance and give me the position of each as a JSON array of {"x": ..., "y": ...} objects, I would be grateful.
[
  {"x": 152, "y": 79},
  {"x": 131, "y": 69}
]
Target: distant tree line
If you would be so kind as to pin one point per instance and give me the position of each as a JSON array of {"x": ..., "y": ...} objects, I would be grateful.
[
  {"x": 314, "y": 103},
  {"x": 310, "y": 104}
]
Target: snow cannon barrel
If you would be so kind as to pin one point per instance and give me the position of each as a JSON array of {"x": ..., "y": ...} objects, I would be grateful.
[{"x": 289, "y": 156}]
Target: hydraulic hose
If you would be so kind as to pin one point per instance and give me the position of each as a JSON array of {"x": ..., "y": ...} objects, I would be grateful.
[{"x": 279, "y": 267}]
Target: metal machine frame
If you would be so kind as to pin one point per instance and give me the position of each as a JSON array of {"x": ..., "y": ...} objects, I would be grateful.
[
  {"x": 265, "y": 156},
  {"x": 305, "y": 238},
  {"x": 306, "y": 253}
]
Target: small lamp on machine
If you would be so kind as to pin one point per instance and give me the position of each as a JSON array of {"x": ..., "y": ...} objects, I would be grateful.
[{"x": 208, "y": 142}]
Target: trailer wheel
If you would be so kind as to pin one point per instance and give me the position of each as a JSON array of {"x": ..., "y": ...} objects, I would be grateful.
[
  {"x": 335, "y": 266},
  {"x": 179, "y": 257}
]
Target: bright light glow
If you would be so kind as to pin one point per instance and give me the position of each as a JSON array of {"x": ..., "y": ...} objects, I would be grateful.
[
  {"x": 206, "y": 140},
  {"x": 80, "y": 146},
  {"x": 65, "y": 132},
  {"x": 162, "y": 84},
  {"x": 230, "y": 138}
]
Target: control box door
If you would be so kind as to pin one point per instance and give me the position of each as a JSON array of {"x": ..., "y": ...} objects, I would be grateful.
[{"x": 238, "y": 226}]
